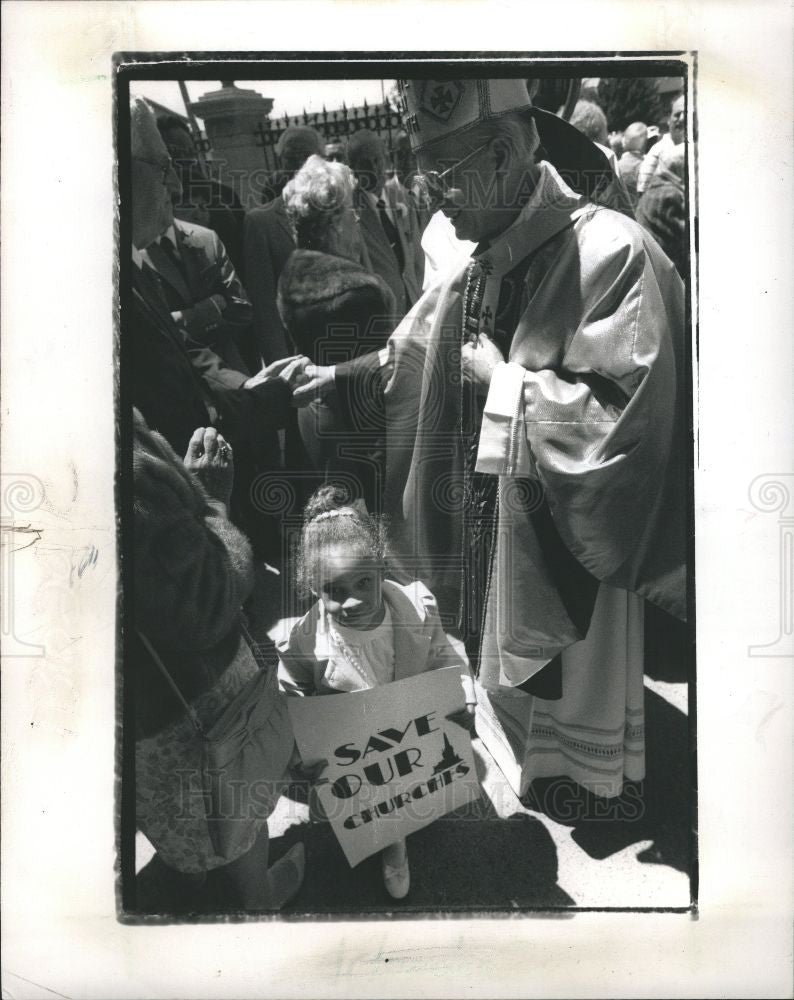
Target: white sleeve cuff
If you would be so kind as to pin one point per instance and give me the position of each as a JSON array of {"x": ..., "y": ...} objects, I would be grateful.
[
  {"x": 468, "y": 689},
  {"x": 503, "y": 449}
]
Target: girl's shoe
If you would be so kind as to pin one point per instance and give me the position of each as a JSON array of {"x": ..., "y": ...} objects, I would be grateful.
[{"x": 396, "y": 874}]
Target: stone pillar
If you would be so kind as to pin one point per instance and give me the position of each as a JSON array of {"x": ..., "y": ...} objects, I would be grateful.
[{"x": 231, "y": 118}]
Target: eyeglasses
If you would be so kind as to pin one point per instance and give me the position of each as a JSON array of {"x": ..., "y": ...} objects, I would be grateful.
[
  {"x": 436, "y": 184},
  {"x": 166, "y": 166}
]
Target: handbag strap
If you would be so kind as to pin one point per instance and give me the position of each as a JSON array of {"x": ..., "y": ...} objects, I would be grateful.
[{"x": 191, "y": 712}]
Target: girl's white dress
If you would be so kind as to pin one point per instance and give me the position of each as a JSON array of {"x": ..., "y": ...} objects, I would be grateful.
[{"x": 370, "y": 653}]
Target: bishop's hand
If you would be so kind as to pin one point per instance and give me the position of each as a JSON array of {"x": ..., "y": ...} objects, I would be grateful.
[
  {"x": 320, "y": 382},
  {"x": 290, "y": 370},
  {"x": 478, "y": 361}
]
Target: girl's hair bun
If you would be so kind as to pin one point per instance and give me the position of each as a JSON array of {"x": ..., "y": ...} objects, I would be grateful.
[
  {"x": 331, "y": 518},
  {"x": 327, "y": 498}
]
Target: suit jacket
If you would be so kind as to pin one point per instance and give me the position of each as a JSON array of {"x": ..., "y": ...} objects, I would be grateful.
[
  {"x": 171, "y": 393},
  {"x": 414, "y": 192},
  {"x": 226, "y": 218},
  {"x": 214, "y": 336},
  {"x": 268, "y": 241},
  {"x": 309, "y": 662},
  {"x": 406, "y": 218},
  {"x": 379, "y": 256}
]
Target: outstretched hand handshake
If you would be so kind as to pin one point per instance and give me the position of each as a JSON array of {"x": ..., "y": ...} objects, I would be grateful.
[
  {"x": 318, "y": 382},
  {"x": 289, "y": 370},
  {"x": 306, "y": 380}
]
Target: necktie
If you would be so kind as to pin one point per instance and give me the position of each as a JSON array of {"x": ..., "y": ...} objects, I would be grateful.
[
  {"x": 174, "y": 275},
  {"x": 170, "y": 251},
  {"x": 391, "y": 232}
]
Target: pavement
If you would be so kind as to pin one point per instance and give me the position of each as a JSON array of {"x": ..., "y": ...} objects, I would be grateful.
[{"x": 558, "y": 847}]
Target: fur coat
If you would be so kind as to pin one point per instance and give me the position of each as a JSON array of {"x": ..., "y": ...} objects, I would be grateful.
[
  {"x": 192, "y": 571},
  {"x": 336, "y": 311}
]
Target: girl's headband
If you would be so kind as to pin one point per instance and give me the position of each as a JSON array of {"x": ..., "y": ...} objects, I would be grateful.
[
  {"x": 358, "y": 507},
  {"x": 334, "y": 513}
]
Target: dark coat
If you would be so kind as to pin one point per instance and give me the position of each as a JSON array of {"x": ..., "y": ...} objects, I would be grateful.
[
  {"x": 381, "y": 256},
  {"x": 226, "y": 218},
  {"x": 165, "y": 387},
  {"x": 174, "y": 396},
  {"x": 662, "y": 211},
  {"x": 268, "y": 241},
  {"x": 192, "y": 570},
  {"x": 339, "y": 313},
  {"x": 215, "y": 312}
]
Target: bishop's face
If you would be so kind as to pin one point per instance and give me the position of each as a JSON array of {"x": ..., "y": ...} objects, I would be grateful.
[{"x": 481, "y": 197}]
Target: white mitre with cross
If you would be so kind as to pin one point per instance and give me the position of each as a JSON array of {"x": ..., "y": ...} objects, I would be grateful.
[{"x": 436, "y": 109}]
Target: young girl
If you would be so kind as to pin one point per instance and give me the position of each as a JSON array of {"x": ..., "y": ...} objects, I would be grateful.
[{"x": 365, "y": 629}]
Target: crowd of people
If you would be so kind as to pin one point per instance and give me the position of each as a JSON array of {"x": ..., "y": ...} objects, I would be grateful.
[
  {"x": 463, "y": 355},
  {"x": 651, "y": 164}
]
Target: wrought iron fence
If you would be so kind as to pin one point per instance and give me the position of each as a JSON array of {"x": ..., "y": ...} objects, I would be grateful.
[
  {"x": 381, "y": 118},
  {"x": 384, "y": 119}
]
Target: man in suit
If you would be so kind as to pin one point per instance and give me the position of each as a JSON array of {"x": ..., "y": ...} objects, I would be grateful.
[
  {"x": 388, "y": 224},
  {"x": 204, "y": 200},
  {"x": 404, "y": 182},
  {"x": 206, "y": 299},
  {"x": 268, "y": 241},
  {"x": 171, "y": 393},
  {"x": 336, "y": 151}
]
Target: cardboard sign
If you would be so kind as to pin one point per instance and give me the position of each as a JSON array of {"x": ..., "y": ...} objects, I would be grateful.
[{"x": 395, "y": 763}]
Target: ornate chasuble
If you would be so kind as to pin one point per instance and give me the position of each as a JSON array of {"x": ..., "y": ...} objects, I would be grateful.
[
  {"x": 577, "y": 587},
  {"x": 577, "y": 441}
]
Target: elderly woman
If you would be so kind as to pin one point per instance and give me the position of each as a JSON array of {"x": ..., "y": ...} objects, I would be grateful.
[
  {"x": 189, "y": 658},
  {"x": 335, "y": 310}
]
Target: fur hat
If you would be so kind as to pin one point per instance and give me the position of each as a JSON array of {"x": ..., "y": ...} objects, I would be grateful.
[{"x": 318, "y": 292}]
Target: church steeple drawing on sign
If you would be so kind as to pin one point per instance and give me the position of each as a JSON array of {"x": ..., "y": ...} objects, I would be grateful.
[{"x": 448, "y": 757}]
